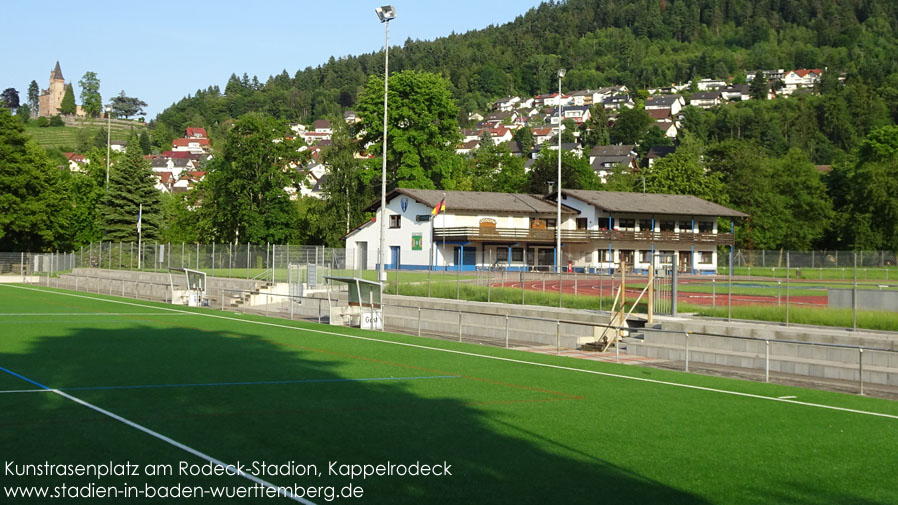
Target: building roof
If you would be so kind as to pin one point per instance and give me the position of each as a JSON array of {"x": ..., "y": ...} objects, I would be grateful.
[
  {"x": 651, "y": 203},
  {"x": 479, "y": 201},
  {"x": 663, "y": 100},
  {"x": 709, "y": 95},
  {"x": 57, "y": 72},
  {"x": 660, "y": 151},
  {"x": 186, "y": 142},
  {"x": 658, "y": 114},
  {"x": 619, "y": 150},
  {"x": 196, "y": 131}
]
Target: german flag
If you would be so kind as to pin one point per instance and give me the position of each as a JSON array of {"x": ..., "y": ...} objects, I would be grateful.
[{"x": 441, "y": 207}]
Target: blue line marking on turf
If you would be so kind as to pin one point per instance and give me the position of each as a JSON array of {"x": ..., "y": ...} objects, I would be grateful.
[
  {"x": 255, "y": 383},
  {"x": 10, "y": 372}
]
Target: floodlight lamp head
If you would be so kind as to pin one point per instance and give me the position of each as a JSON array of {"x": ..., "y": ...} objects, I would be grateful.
[
  {"x": 561, "y": 72},
  {"x": 385, "y": 13}
]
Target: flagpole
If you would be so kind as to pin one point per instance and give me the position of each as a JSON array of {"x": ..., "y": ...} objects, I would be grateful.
[{"x": 139, "y": 237}]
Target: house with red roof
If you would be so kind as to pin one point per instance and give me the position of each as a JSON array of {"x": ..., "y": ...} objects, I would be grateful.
[
  {"x": 77, "y": 162},
  {"x": 800, "y": 78},
  {"x": 196, "y": 133},
  {"x": 191, "y": 145}
]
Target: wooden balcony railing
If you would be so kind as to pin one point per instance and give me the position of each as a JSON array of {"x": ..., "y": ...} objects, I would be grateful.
[{"x": 487, "y": 234}]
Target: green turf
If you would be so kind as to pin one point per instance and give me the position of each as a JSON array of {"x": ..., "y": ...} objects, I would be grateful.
[{"x": 513, "y": 432}]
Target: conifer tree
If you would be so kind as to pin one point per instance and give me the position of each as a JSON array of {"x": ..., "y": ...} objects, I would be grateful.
[
  {"x": 131, "y": 183},
  {"x": 68, "y": 107}
]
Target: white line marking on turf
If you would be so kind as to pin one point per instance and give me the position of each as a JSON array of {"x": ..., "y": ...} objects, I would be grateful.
[
  {"x": 24, "y": 391},
  {"x": 17, "y": 314},
  {"x": 465, "y": 353},
  {"x": 787, "y": 397},
  {"x": 286, "y": 492}
]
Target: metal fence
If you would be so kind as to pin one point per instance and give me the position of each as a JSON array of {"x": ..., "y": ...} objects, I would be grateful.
[
  {"x": 794, "y": 287},
  {"x": 246, "y": 261},
  {"x": 810, "y": 259}
]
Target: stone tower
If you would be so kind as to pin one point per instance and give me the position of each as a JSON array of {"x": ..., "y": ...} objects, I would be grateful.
[{"x": 51, "y": 98}]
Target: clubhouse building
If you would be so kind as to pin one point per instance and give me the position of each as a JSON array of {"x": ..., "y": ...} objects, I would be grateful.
[{"x": 599, "y": 230}]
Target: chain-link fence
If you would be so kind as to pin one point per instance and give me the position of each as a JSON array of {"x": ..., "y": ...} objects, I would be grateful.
[
  {"x": 246, "y": 261},
  {"x": 816, "y": 287}
]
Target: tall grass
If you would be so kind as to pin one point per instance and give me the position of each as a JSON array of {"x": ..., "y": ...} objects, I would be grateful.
[{"x": 816, "y": 316}]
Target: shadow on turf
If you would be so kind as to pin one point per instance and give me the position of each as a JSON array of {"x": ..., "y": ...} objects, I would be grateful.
[{"x": 496, "y": 455}]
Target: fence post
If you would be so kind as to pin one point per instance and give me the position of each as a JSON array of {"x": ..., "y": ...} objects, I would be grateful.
[
  {"x": 860, "y": 367},
  {"x": 22, "y": 263},
  {"x": 489, "y": 287},
  {"x": 560, "y": 282},
  {"x": 221, "y": 295},
  {"x": 854, "y": 297},
  {"x": 459, "y": 325},
  {"x": 419, "y": 320},
  {"x": 557, "y": 337},
  {"x": 522, "y": 286},
  {"x": 713, "y": 293},
  {"x": 506, "y": 331},
  {"x": 687, "y": 350},
  {"x": 787, "y": 287},
  {"x": 319, "y": 311},
  {"x": 767, "y": 361}
]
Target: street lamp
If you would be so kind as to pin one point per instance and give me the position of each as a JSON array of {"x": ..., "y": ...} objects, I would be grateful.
[
  {"x": 385, "y": 14},
  {"x": 561, "y": 73},
  {"x": 108, "y": 110}
]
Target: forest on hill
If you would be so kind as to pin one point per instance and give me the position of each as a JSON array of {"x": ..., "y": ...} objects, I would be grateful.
[{"x": 639, "y": 43}]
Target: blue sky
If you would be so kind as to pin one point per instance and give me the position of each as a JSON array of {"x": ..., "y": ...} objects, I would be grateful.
[{"x": 162, "y": 50}]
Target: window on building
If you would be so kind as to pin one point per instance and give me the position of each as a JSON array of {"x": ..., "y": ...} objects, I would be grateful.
[
  {"x": 602, "y": 254},
  {"x": 517, "y": 254},
  {"x": 582, "y": 223},
  {"x": 646, "y": 225},
  {"x": 626, "y": 224},
  {"x": 685, "y": 226},
  {"x": 626, "y": 256},
  {"x": 395, "y": 221},
  {"x": 645, "y": 256},
  {"x": 705, "y": 257},
  {"x": 606, "y": 223},
  {"x": 667, "y": 226},
  {"x": 706, "y": 227},
  {"x": 502, "y": 254},
  {"x": 550, "y": 223}
]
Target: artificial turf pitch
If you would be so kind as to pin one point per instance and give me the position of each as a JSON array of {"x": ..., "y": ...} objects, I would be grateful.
[{"x": 90, "y": 379}]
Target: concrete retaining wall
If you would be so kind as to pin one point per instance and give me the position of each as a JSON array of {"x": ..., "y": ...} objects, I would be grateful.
[
  {"x": 480, "y": 321},
  {"x": 797, "y": 356},
  {"x": 867, "y": 299}
]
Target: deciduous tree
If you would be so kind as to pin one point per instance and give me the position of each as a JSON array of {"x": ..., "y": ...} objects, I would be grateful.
[
  {"x": 9, "y": 99},
  {"x": 422, "y": 129},
  {"x": 245, "y": 189},
  {"x": 91, "y": 101},
  {"x": 34, "y": 202}
]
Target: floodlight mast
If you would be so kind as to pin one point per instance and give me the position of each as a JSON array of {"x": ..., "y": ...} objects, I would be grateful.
[
  {"x": 385, "y": 14},
  {"x": 558, "y": 258}
]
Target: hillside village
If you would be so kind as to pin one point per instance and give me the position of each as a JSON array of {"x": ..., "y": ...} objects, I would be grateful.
[{"x": 179, "y": 169}]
